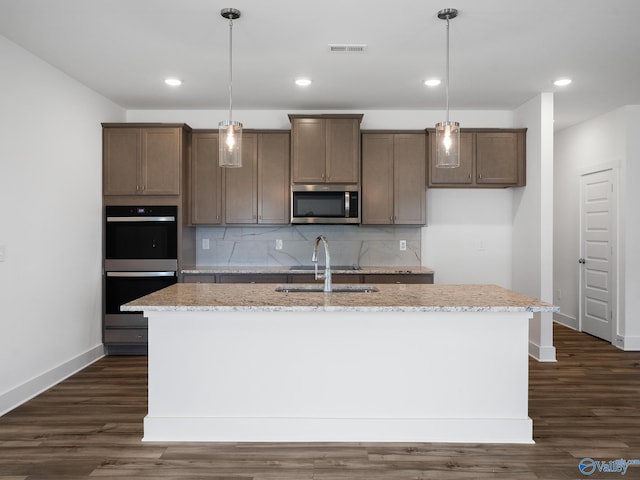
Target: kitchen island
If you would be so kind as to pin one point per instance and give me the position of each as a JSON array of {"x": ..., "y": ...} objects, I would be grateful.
[{"x": 406, "y": 363}]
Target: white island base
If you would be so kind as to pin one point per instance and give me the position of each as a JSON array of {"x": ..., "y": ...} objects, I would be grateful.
[{"x": 338, "y": 376}]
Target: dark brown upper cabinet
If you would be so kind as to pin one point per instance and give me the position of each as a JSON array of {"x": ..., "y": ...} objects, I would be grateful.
[
  {"x": 489, "y": 158},
  {"x": 256, "y": 193},
  {"x": 206, "y": 180},
  {"x": 393, "y": 178},
  {"x": 325, "y": 148},
  {"x": 143, "y": 160}
]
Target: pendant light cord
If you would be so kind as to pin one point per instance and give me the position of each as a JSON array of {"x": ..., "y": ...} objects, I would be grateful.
[
  {"x": 230, "y": 68},
  {"x": 447, "y": 72}
]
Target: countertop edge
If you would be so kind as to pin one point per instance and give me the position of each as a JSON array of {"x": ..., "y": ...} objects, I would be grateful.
[{"x": 322, "y": 308}]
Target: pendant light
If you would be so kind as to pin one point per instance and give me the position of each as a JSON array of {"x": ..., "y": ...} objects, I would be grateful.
[
  {"x": 447, "y": 132},
  {"x": 230, "y": 132}
]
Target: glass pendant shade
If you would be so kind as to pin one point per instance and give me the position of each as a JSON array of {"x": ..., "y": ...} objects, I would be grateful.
[
  {"x": 230, "y": 144},
  {"x": 448, "y": 145}
]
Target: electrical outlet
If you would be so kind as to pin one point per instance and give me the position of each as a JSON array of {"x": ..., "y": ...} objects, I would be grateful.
[
  {"x": 403, "y": 245},
  {"x": 279, "y": 244},
  {"x": 558, "y": 294},
  {"x": 2, "y": 253},
  {"x": 205, "y": 244}
]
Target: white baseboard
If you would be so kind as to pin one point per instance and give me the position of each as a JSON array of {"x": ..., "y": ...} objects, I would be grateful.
[
  {"x": 566, "y": 320},
  {"x": 288, "y": 429},
  {"x": 31, "y": 388},
  {"x": 542, "y": 354},
  {"x": 629, "y": 344}
]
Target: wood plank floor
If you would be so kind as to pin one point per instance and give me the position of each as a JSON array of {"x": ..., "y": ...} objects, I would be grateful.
[{"x": 89, "y": 427}]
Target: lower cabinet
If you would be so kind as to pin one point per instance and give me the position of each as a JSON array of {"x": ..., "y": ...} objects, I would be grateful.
[
  {"x": 129, "y": 336},
  {"x": 335, "y": 278},
  {"x": 399, "y": 277},
  {"x": 125, "y": 336},
  {"x": 198, "y": 278},
  {"x": 251, "y": 278}
]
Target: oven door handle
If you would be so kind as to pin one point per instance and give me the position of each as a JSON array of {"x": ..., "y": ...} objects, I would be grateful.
[
  {"x": 141, "y": 274},
  {"x": 140, "y": 219}
]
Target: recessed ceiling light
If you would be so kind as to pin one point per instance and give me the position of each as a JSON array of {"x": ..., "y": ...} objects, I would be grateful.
[
  {"x": 562, "y": 82},
  {"x": 432, "y": 82},
  {"x": 303, "y": 82},
  {"x": 174, "y": 82}
]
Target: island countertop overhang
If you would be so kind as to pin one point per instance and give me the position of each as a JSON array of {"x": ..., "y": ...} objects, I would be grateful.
[{"x": 389, "y": 297}]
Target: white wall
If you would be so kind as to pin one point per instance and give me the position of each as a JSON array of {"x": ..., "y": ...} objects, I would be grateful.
[
  {"x": 373, "y": 119},
  {"x": 50, "y": 224},
  {"x": 457, "y": 219},
  {"x": 532, "y": 270},
  {"x": 468, "y": 237},
  {"x": 589, "y": 146},
  {"x": 630, "y": 221},
  {"x": 612, "y": 141},
  {"x": 533, "y": 204}
]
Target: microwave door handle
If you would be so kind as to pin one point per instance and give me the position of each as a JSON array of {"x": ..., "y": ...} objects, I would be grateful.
[
  {"x": 347, "y": 204},
  {"x": 141, "y": 274}
]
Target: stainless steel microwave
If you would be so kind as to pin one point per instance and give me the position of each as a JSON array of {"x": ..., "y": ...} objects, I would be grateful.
[{"x": 325, "y": 203}]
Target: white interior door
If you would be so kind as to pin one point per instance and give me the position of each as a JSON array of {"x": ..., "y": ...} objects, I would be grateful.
[{"x": 596, "y": 250}]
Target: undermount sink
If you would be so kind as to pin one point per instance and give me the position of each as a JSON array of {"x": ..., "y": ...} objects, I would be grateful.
[
  {"x": 333, "y": 267},
  {"x": 307, "y": 288}
]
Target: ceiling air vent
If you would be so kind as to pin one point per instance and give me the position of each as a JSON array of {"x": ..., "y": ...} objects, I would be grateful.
[{"x": 347, "y": 48}]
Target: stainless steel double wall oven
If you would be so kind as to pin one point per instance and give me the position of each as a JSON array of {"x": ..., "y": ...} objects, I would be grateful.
[{"x": 141, "y": 256}]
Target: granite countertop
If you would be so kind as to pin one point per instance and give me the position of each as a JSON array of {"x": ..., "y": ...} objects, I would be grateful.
[
  {"x": 306, "y": 269},
  {"x": 390, "y": 297}
]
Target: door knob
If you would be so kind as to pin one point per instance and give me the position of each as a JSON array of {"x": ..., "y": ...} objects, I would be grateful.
[{"x": 582, "y": 260}]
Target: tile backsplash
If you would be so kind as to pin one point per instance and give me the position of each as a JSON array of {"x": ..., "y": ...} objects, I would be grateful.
[{"x": 348, "y": 245}]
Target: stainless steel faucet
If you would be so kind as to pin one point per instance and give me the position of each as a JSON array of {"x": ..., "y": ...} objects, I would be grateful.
[{"x": 327, "y": 260}]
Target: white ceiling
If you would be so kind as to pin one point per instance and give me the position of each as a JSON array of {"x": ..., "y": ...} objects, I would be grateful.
[{"x": 503, "y": 52}]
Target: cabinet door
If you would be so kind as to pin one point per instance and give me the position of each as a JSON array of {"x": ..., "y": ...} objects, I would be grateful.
[
  {"x": 121, "y": 160},
  {"x": 252, "y": 277},
  {"x": 377, "y": 179},
  {"x": 335, "y": 278},
  {"x": 198, "y": 278},
  {"x": 497, "y": 158},
  {"x": 462, "y": 175},
  {"x": 160, "y": 167},
  {"x": 206, "y": 180},
  {"x": 308, "y": 150},
  {"x": 409, "y": 153},
  {"x": 274, "y": 189},
  {"x": 342, "y": 150},
  {"x": 399, "y": 278},
  {"x": 241, "y": 185}
]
